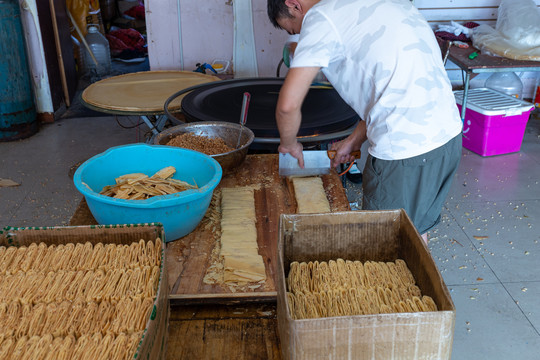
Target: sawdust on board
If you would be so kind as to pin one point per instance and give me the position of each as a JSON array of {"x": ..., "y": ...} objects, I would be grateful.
[
  {"x": 255, "y": 179},
  {"x": 212, "y": 217}
]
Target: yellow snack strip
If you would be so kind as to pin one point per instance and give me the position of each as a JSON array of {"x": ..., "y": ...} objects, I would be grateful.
[
  {"x": 7, "y": 259},
  {"x": 344, "y": 287}
]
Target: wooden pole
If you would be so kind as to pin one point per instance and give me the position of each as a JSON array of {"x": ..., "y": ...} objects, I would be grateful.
[{"x": 59, "y": 54}]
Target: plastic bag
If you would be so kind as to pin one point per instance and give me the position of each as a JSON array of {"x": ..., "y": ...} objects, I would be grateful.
[
  {"x": 84, "y": 12},
  {"x": 126, "y": 44},
  {"x": 456, "y": 29},
  {"x": 516, "y": 34},
  {"x": 79, "y": 11}
]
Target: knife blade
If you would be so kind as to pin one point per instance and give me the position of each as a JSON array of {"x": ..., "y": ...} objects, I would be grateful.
[{"x": 316, "y": 162}]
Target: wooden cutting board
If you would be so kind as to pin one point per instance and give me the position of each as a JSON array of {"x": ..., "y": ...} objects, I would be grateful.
[{"x": 189, "y": 258}]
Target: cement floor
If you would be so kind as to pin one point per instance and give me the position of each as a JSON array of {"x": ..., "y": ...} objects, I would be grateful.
[{"x": 486, "y": 247}]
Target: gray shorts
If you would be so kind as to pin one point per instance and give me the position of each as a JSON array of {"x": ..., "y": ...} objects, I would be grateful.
[{"x": 419, "y": 184}]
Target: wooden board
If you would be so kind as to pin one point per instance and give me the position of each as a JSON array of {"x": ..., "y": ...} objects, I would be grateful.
[
  {"x": 246, "y": 332},
  {"x": 189, "y": 257},
  {"x": 142, "y": 92}
]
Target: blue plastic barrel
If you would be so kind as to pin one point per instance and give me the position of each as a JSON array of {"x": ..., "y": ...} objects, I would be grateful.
[{"x": 17, "y": 110}]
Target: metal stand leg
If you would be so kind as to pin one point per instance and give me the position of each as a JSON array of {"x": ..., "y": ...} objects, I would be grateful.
[
  {"x": 156, "y": 125},
  {"x": 161, "y": 120},
  {"x": 465, "y": 94}
]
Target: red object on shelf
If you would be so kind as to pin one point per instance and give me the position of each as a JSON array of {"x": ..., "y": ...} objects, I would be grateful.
[
  {"x": 136, "y": 12},
  {"x": 536, "y": 98}
]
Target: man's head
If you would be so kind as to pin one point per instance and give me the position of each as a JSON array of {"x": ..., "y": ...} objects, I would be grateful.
[
  {"x": 276, "y": 10},
  {"x": 288, "y": 14}
]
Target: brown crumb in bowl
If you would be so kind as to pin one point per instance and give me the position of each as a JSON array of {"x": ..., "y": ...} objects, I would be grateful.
[{"x": 206, "y": 145}]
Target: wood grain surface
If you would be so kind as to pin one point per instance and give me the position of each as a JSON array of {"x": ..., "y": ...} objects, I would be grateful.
[
  {"x": 142, "y": 92},
  {"x": 189, "y": 258},
  {"x": 484, "y": 62},
  {"x": 210, "y": 322},
  {"x": 242, "y": 332}
]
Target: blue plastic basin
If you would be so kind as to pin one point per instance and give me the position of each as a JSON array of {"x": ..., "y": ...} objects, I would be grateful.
[{"x": 179, "y": 213}]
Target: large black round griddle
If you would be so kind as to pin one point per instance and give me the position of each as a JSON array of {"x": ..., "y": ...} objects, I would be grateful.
[{"x": 323, "y": 110}]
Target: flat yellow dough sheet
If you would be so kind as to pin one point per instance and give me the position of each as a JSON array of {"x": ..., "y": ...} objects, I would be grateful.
[
  {"x": 244, "y": 268},
  {"x": 239, "y": 248},
  {"x": 310, "y": 195}
]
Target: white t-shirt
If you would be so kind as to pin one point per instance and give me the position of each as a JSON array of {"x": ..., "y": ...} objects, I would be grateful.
[{"x": 383, "y": 59}]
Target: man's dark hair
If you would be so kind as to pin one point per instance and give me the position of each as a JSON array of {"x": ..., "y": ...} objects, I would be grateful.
[{"x": 277, "y": 10}]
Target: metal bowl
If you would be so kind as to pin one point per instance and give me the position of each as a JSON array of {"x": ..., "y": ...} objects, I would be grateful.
[{"x": 229, "y": 132}]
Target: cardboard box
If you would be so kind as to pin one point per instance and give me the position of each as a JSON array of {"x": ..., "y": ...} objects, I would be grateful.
[
  {"x": 153, "y": 344},
  {"x": 363, "y": 235},
  {"x": 494, "y": 122}
]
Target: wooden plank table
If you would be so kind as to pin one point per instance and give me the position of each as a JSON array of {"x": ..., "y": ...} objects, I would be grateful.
[
  {"x": 211, "y": 322},
  {"x": 239, "y": 332},
  {"x": 189, "y": 257}
]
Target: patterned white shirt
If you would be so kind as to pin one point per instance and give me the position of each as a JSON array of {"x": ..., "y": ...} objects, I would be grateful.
[{"x": 383, "y": 59}]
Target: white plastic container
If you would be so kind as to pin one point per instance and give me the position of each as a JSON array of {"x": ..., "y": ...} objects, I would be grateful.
[
  {"x": 506, "y": 82},
  {"x": 220, "y": 66},
  {"x": 100, "y": 48}
]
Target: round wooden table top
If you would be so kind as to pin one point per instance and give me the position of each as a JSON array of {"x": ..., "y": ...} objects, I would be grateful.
[{"x": 142, "y": 92}]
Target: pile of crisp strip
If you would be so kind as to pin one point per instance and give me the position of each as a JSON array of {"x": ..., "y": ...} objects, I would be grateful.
[
  {"x": 139, "y": 186},
  {"x": 344, "y": 288},
  {"x": 76, "y": 301}
]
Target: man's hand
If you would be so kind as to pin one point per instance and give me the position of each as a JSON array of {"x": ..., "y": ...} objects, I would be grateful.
[
  {"x": 343, "y": 150},
  {"x": 295, "y": 150},
  {"x": 352, "y": 143}
]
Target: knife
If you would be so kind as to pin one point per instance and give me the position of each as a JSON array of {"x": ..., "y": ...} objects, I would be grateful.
[{"x": 316, "y": 162}]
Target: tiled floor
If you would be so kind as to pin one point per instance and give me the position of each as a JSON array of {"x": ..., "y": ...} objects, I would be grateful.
[
  {"x": 487, "y": 246},
  {"x": 487, "y": 249}
]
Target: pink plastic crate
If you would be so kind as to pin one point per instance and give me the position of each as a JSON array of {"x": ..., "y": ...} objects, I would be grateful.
[{"x": 494, "y": 122}]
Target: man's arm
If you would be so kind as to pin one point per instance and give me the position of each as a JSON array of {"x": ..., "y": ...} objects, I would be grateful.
[{"x": 288, "y": 109}]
